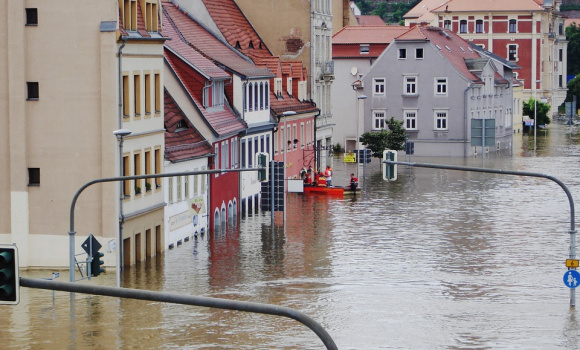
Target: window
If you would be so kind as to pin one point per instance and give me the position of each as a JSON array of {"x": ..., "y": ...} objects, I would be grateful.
[
  {"x": 196, "y": 182},
  {"x": 31, "y": 17},
  {"x": 261, "y": 95},
  {"x": 33, "y": 176},
  {"x": 126, "y": 170},
  {"x": 137, "y": 96},
  {"x": 378, "y": 120},
  {"x": 365, "y": 49},
  {"x": 419, "y": 53},
  {"x": 267, "y": 95},
  {"x": 147, "y": 94},
  {"x": 560, "y": 81},
  {"x": 440, "y": 120},
  {"x": 126, "y": 94},
  {"x": 479, "y": 26},
  {"x": 512, "y": 52},
  {"x": 410, "y": 85},
  {"x": 440, "y": 86},
  {"x": 402, "y": 54},
  {"x": 179, "y": 188},
  {"x": 130, "y": 15},
  {"x": 158, "y": 167},
  {"x": 302, "y": 136},
  {"x": 378, "y": 86},
  {"x": 33, "y": 90},
  {"x": 560, "y": 54},
  {"x": 157, "y": 93},
  {"x": 137, "y": 171},
  {"x": 224, "y": 163},
  {"x": 560, "y": 28},
  {"x": 186, "y": 186},
  {"x": 170, "y": 189},
  {"x": 244, "y": 165},
  {"x": 463, "y": 26},
  {"x": 217, "y": 159},
  {"x": 250, "y": 97},
  {"x": 513, "y": 26},
  {"x": 150, "y": 16},
  {"x": 447, "y": 24},
  {"x": 148, "y": 169},
  {"x": 410, "y": 120}
]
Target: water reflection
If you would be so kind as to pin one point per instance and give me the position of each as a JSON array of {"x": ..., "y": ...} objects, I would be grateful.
[{"x": 437, "y": 259}]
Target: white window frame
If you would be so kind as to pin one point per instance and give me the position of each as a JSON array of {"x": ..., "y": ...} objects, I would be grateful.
[
  {"x": 441, "y": 119},
  {"x": 380, "y": 84},
  {"x": 364, "y": 49},
  {"x": 417, "y": 50},
  {"x": 516, "y": 58},
  {"x": 477, "y": 30},
  {"x": 380, "y": 117},
  {"x": 402, "y": 54},
  {"x": 461, "y": 22},
  {"x": 410, "y": 117},
  {"x": 408, "y": 84},
  {"x": 441, "y": 83}
]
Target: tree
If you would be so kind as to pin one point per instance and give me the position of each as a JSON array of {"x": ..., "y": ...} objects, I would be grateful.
[
  {"x": 543, "y": 110},
  {"x": 573, "y": 89},
  {"x": 573, "y": 37},
  {"x": 378, "y": 141}
]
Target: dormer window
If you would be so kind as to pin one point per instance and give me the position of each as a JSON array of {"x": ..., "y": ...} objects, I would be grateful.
[
  {"x": 365, "y": 49},
  {"x": 151, "y": 16},
  {"x": 213, "y": 96},
  {"x": 130, "y": 15},
  {"x": 181, "y": 125}
]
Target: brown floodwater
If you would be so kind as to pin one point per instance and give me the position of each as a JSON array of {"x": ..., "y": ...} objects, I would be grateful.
[{"x": 438, "y": 259}]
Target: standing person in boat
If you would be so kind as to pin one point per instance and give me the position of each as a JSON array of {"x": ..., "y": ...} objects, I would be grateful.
[
  {"x": 328, "y": 175},
  {"x": 353, "y": 182}
]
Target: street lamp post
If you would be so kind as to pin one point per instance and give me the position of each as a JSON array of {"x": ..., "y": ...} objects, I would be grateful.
[
  {"x": 536, "y": 110},
  {"x": 286, "y": 115},
  {"x": 120, "y": 134},
  {"x": 357, "y": 143}
]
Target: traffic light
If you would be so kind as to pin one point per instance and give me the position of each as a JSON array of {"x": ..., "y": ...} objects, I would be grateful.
[
  {"x": 9, "y": 280},
  {"x": 390, "y": 170},
  {"x": 263, "y": 161},
  {"x": 96, "y": 264}
]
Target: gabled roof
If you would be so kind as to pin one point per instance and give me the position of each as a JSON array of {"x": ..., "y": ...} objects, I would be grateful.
[
  {"x": 236, "y": 28},
  {"x": 423, "y": 8},
  {"x": 221, "y": 120},
  {"x": 209, "y": 45},
  {"x": 495, "y": 57},
  {"x": 454, "y": 48},
  {"x": 367, "y": 34},
  {"x": 185, "y": 143},
  {"x": 370, "y": 20},
  {"x": 187, "y": 53},
  {"x": 489, "y": 6}
]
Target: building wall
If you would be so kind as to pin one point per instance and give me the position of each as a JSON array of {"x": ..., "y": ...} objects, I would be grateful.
[
  {"x": 67, "y": 133},
  {"x": 344, "y": 100},
  {"x": 186, "y": 214}
]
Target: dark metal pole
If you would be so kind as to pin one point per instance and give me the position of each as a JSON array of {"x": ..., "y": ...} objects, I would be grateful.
[
  {"x": 572, "y": 254},
  {"x": 185, "y": 300}
]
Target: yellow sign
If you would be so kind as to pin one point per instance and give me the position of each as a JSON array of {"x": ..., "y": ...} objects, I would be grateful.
[
  {"x": 572, "y": 262},
  {"x": 349, "y": 157}
]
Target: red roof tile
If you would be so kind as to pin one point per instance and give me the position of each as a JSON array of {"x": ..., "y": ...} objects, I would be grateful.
[
  {"x": 367, "y": 34},
  {"x": 182, "y": 144},
  {"x": 236, "y": 28},
  {"x": 209, "y": 45},
  {"x": 489, "y": 5},
  {"x": 222, "y": 120},
  {"x": 370, "y": 20}
]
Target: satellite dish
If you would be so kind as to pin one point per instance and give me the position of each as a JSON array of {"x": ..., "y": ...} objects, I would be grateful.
[{"x": 353, "y": 71}]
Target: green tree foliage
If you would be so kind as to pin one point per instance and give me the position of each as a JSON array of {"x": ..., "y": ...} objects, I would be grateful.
[
  {"x": 573, "y": 89},
  {"x": 390, "y": 12},
  {"x": 378, "y": 141},
  {"x": 543, "y": 110},
  {"x": 573, "y": 37}
]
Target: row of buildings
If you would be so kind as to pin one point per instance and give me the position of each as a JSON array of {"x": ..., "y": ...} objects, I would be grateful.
[{"x": 204, "y": 85}]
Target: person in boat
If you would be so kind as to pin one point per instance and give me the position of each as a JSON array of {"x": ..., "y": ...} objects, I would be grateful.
[
  {"x": 353, "y": 182},
  {"x": 328, "y": 175},
  {"x": 321, "y": 182},
  {"x": 307, "y": 179}
]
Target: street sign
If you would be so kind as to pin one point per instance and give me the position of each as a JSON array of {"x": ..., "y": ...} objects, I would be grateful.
[
  {"x": 572, "y": 278},
  {"x": 572, "y": 262},
  {"x": 91, "y": 245}
]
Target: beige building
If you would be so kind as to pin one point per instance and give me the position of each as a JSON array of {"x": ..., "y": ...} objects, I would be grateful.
[{"x": 64, "y": 90}]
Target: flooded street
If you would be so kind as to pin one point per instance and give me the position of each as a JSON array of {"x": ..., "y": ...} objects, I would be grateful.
[{"x": 439, "y": 259}]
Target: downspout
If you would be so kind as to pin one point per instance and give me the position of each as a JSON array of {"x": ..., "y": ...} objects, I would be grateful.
[
  {"x": 316, "y": 150},
  {"x": 120, "y": 59},
  {"x": 465, "y": 118}
]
